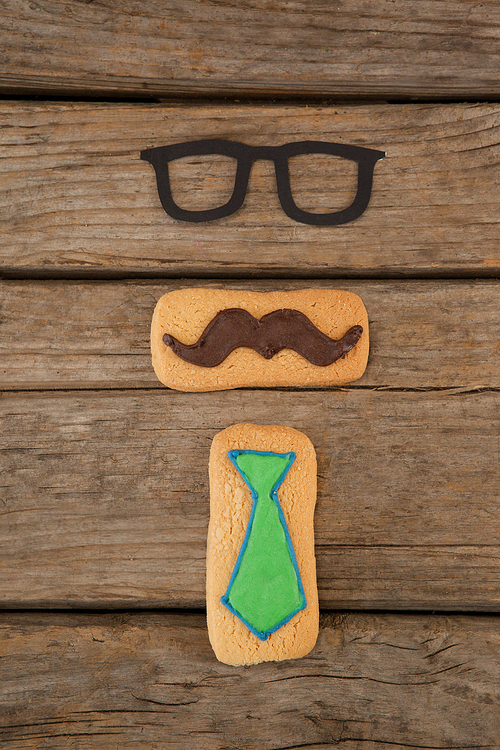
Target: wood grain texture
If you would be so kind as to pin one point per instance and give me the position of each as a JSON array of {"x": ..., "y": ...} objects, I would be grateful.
[
  {"x": 423, "y": 334},
  {"x": 105, "y": 495},
  {"x": 430, "y": 48},
  {"x": 75, "y": 198},
  {"x": 102, "y": 682}
]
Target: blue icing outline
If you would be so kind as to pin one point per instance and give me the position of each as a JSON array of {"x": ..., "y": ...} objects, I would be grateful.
[{"x": 263, "y": 635}]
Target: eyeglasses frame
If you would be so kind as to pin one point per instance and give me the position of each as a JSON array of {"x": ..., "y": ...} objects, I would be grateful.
[{"x": 245, "y": 156}]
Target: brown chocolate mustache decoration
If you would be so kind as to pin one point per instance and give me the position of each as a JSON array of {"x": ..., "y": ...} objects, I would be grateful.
[{"x": 281, "y": 329}]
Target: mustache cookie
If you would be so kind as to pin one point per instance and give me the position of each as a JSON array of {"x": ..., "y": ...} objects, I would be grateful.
[{"x": 214, "y": 339}]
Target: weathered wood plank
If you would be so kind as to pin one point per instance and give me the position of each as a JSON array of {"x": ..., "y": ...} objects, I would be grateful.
[
  {"x": 96, "y": 335},
  {"x": 433, "y": 48},
  {"x": 76, "y": 198},
  {"x": 105, "y": 495},
  {"x": 103, "y": 681}
]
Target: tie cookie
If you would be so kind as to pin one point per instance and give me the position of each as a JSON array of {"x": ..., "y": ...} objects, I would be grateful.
[{"x": 262, "y": 600}]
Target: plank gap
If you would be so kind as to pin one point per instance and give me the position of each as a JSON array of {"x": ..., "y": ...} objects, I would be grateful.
[
  {"x": 325, "y": 612},
  {"x": 459, "y": 391},
  {"x": 261, "y": 99},
  {"x": 232, "y": 272}
]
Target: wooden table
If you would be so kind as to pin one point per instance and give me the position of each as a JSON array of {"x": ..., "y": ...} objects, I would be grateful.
[{"x": 104, "y": 499}]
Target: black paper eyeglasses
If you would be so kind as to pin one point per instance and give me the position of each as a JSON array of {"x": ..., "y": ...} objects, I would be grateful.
[{"x": 245, "y": 155}]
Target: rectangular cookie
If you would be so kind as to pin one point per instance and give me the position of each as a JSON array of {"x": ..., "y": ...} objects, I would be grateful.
[
  {"x": 309, "y": 337},
  {"x": 262, "y": 599}
]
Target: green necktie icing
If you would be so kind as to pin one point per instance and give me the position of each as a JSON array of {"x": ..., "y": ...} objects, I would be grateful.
[{"x": 265, "y": 590}]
